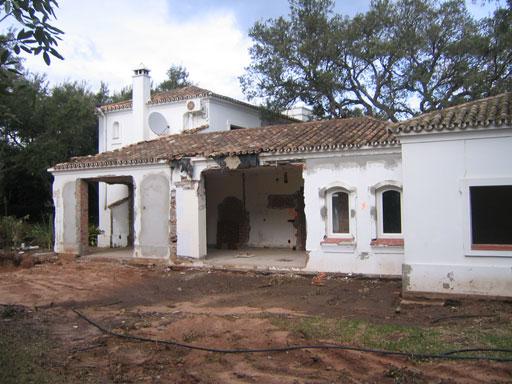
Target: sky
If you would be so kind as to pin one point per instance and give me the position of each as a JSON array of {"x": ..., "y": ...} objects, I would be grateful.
[{"x": 105, "y": 40}]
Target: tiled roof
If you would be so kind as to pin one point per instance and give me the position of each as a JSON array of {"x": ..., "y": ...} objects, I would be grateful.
[
  {"x": 178, "y": 94},
  {"x": 184, "y": 93},
  {"x": 125, "y": 104},
  {"x": 491, "y": 111},
  {"x": 339, "y": 134}
]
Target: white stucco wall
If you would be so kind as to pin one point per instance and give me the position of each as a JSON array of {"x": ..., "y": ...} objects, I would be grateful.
[
  {"x": 120, "y": 224},
  {"x": 128, "y": 134},
  {"x": 190, "y": 218},
  {"x": 151, "y": 207},
  {"x": 222, "y": 114},
  {"x": 361, "y": 173},
  {"x": 438, "y": 169},
  {"x": 177, "y": 116}
]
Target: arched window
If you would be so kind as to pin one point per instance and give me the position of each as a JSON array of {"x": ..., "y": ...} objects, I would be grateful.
[
  {"x": 116, "y": 131},
  {"x": 389, "y": 212},
  {"x": 338, "y": 202}
]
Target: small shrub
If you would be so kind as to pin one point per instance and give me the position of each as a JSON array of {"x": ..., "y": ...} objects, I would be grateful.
[
  {"x": 42, "y": 233},
  {"x": 12, "y": 231},
  {"x": 94, "y": 231}
]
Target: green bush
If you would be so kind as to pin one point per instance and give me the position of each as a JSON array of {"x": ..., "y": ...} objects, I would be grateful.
[
  {"x": 12, "y": 231},
  {"x": 94, "y": 231},
  {"x": 42, "y": 233}
]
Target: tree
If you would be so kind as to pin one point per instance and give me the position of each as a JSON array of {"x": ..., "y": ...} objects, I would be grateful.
[
  {"x": 177, "y": 77},
  {"x": 385, "y": 61},
  {"x": 36, "y": 36},
  {"x": 39, "y": 127}
]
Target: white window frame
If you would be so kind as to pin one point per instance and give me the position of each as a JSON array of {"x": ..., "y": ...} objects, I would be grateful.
[
  {"x": 465, "y": 185},
  {"x": 351, "y": 214},
  {"x": 116, "y": 136},
  {"x": 380, "y": 213}
]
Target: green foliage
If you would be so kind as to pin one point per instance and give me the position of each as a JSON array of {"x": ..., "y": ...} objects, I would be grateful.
[
  {"x": 430, "y": 51},
  {"x": 124, "y": 94},
  {"x": 36, "y": 36},
  {"x": 39, "y": 127},
  {"x": 26, "y": 350},
  {"x": 12, "y": 231},
  {"x": 94, "y": 231},
  {"x": 398, "y": 337},
  {"x": 15, "y": 231},
  {"x": 41, "y": 233},
  {"x": 177, "y": 77}
]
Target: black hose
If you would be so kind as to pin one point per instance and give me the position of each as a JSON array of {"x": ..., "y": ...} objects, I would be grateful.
[{"x": 449, "y": 355}]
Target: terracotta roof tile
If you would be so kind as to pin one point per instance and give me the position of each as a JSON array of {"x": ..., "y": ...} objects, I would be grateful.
[
  {"x": 491, "y": 111},
  {"x": 338, "y": 134},
  {"x": 185, "y": 93}
]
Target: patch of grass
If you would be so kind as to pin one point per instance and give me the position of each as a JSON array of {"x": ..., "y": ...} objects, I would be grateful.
[
  {"x": 397, "y": 337},
  {"x": 24, "y": 351}
]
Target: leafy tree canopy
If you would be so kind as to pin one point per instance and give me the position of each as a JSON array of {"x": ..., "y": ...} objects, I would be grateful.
[
  {"x": 36, "y": 36},
  {"x": 396, "y": 60},
  {"x": 39, "y": 127},
  {"x": 177, "y": 77}
]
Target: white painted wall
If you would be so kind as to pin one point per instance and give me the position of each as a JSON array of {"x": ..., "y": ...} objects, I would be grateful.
[
  {"x": 360, "y": 172},
  {"x": 437, "y": 171},
  {"x": 223, "y": 113},
  {"x": 120, "y": 224},
  {"x": 128, "y": 134},
  {"x": 178, "y": 117},
  {"x": 147, "y": 193},
  {"x": 190, "y": 218},
  {"x": 269, "y": 227}
]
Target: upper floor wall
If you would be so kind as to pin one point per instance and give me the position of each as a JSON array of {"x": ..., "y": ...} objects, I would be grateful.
[{"x": 147, "y": 117}]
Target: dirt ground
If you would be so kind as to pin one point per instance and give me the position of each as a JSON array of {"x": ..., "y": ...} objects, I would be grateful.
[{"x": 218, "y": 309}]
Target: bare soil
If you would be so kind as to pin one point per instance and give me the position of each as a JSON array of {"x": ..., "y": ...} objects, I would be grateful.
[{"x": 218, "y": 309}]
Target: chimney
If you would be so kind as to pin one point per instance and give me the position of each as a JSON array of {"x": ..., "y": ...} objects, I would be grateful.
[{"x": 141, "y": 94}]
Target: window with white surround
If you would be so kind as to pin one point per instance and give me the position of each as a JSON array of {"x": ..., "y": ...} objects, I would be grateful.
[
  {"x": 116, "y": 131},
  {"x": 340, "y": 223},
  {"x": 487, "y": 216},
  {"x": 389, "y": 212},
  {"x": 491, "y": 216}
]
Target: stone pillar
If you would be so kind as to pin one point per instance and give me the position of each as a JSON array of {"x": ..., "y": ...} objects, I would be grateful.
[
  {"x": 151, "y": 216},
  {"x": 70, "y": 223}
]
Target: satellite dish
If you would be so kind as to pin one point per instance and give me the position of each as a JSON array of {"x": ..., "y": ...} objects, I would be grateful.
[{"x": 158, "y": 124}]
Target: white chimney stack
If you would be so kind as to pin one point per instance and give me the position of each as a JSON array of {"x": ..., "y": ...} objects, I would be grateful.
[{"x": 141, "y": 94}]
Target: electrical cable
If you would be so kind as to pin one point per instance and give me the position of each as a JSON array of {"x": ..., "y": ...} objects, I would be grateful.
[{"x": 449, "y": 355}]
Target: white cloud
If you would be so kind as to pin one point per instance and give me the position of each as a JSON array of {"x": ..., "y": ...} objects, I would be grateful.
[{"x": 105, "y": 40}]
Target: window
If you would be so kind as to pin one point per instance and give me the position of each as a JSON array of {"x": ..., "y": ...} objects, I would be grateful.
[
  {"x": 116, "y": 132},
  {"x": 234, "y": 127},
  {"x": 390, "y": 218},
  {"x": 338, "y": 213},
  {"x": 491, "y": 215},
  {"x": 389, "y": 215}
]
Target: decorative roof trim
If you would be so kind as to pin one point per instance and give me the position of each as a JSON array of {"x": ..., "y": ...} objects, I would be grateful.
[
  {"x": 271, "y": 151},
  {"x": 490, "y": 112}
]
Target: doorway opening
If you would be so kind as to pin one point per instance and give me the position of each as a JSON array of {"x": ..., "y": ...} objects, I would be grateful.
[{"x": 255, "y": 217}]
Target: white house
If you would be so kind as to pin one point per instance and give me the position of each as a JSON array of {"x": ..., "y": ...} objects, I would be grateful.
[
  {"x": 357, "y": 196},
  {"x": 146, "y": 117}
]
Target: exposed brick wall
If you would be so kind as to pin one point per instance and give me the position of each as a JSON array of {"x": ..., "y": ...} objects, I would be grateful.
[
  {"x": 83, "y": 215},
  {"x": 173, "y": 236}
]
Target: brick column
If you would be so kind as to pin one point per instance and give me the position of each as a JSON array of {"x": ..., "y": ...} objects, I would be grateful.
[{"x": 82, "y": 207}]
